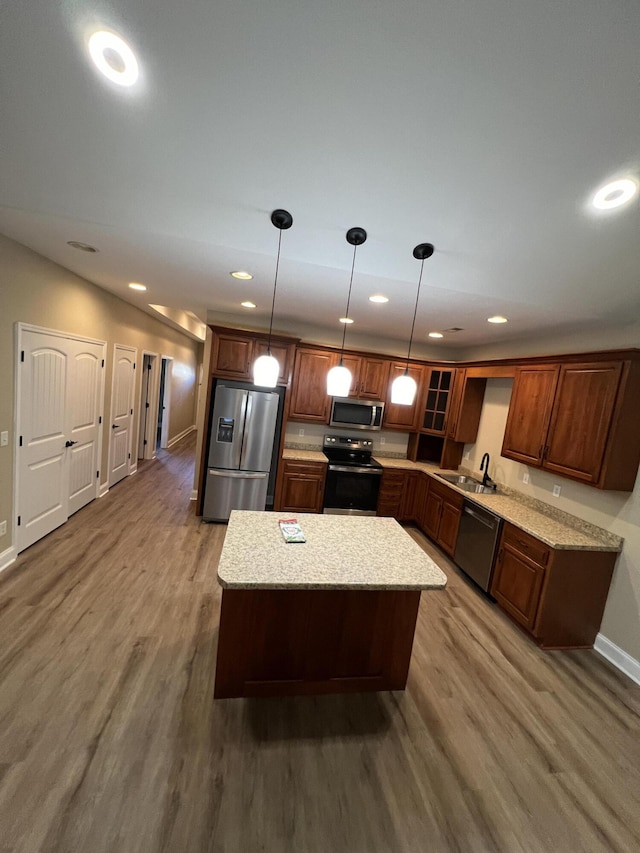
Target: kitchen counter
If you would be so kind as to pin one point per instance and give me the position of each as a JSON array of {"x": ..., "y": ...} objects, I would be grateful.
[
  {"x": 554, "y": 527},
  {"x": 341, "y": 552},
  {"x": 304, "y": 455},
  {"x": 335, "y": 614}
]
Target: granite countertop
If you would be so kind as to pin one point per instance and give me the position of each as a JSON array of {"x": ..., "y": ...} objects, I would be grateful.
[
  {"x": 341, "y": 552},
  {"x": 554, "y": 527},
  {"x": 303, "y": 455}
]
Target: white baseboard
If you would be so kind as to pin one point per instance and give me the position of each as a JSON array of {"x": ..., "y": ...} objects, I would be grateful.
[
  {"x": 7, "y": 557},
  {"x": 618, "y": 657},
  {"x": 180, "y": 436},
  {"x": 104, "y": 488}
]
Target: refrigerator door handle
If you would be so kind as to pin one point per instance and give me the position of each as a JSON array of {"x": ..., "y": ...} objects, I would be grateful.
[
  {"x": 240, "y": 475},
  {"x": 246, "y": 423}
]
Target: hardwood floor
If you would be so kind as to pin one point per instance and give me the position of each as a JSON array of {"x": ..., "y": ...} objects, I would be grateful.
[{"x": 110, "y": 741}]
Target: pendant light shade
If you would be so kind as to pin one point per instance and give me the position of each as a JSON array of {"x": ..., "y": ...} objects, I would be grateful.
[
  {"x": 339, "y": 378},
  {"x": 403, "y": 388},
  {"x": 266, "y": 368},
  {"x": 339, "y": 381}
]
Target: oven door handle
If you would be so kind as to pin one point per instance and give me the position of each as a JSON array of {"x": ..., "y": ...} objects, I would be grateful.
[{"x": 350, "y": 469}]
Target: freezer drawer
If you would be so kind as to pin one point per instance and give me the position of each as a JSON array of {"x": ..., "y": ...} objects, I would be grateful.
[{"x": 227, "y": 490}]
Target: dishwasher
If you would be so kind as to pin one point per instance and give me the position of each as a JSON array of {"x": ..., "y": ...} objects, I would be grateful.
[{"x": 477, "y": 543}]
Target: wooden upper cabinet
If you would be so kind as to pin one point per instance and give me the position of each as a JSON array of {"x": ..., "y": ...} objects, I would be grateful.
[
  {"x": 465, "y": 407},
  {"x": 370, "y": 376},
  {"x": 530, "y": 413},
  {"x": 403, "y": 417},
  {"x": 439, "y": 393},
  {"x": 579, "y": 420},
  {"x": 231, "y": 355},
  {"x": 309, "y": 400},
  {"x": 583, "y": 410},
  {"x": 282, "y": 352}
]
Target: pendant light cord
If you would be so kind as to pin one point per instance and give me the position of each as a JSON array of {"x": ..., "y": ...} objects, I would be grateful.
[
  {"x": 415, "y": 312},
  {"x": 344, "y": 331},
  {"x": 275, "y": 284}
]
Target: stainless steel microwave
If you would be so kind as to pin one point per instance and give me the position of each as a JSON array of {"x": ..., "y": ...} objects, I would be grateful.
[{"x": 356, "y": 414}]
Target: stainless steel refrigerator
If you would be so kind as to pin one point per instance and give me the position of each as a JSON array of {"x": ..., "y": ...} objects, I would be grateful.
[{"x": 241, "y": 450}]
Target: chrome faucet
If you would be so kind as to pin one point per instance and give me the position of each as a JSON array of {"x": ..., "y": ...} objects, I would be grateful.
[{"x": 484, "y": 466}]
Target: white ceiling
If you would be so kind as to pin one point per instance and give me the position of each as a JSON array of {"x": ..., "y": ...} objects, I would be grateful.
[{"x": 481, "y": 127}]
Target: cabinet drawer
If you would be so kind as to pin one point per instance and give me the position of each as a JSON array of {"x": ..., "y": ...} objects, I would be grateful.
[
  {"x": 295, "y": 467},
  {"x": 526, "y": 544}
]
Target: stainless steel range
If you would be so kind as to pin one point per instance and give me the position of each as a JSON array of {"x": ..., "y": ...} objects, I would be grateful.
[{"x": 353, "y": 476}]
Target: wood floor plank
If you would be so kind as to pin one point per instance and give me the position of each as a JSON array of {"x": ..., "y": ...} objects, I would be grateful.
[{"x": 110, "y": 739}]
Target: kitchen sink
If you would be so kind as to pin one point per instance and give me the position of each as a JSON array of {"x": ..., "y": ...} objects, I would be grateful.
[{"x": 469, "y": 484}]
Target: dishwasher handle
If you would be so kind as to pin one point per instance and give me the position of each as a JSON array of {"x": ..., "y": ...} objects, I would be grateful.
[{"x": 490, "y": 523}]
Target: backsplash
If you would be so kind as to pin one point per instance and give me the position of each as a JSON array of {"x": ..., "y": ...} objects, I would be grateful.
[{"x": 387, "y": 443}]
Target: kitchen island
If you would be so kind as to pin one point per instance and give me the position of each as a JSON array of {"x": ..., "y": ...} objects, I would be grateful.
[{"x": 335, "y": 614}]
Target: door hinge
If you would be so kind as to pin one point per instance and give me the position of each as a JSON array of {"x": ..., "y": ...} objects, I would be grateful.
[
  {"x": 20, "y": 445},
  {"x": 99, "y": 419},
  {"x": 148, "y": 367},
  {"x": 145, "y": 441},
  {"x": 129, "y": 456},
  {"x": 97, "y": 475},
  {"x": 19, "y": 519},
  {"x": 21, "y": 355},
  {"x": 134, "y": 365},
  {"x": 131, "y": 412},
  {"x": 103, "y": 362},
  {"x": 146, "y": 405}
]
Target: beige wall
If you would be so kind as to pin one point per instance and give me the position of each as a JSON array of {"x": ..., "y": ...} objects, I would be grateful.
[
  {"x": 618, "y": 512},
  {"x": 35, "y": 290}
]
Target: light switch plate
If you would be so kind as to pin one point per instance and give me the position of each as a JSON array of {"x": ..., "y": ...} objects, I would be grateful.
[
  {"x": 556, "y": 491},
  {"x": 3, "y": 528},
  {"x": 4, "y": 438},
  {"x": 382, "y": 439},
  {"x": 525, "y": 477},
  {"x": 300, "y": 432}
]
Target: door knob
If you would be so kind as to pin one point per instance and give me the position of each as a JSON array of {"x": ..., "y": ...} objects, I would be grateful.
[
  {"x": 114, "y": 426},
  {"x": 70, "y": 443}
]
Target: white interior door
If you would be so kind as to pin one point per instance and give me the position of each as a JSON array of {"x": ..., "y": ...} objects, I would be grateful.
[
  {"x": 85, "y": 392},
  {"x": 59, "y": 399},
  {"x": 121, "y": 426}
]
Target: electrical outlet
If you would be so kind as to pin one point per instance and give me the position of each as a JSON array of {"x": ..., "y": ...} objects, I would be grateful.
[
  {"x": 467, "y": 455},
  {"x": 300, "y": 432},
  {"x": 3, "y": 528},
  {"x": 556, "y": 491},
  {"x": 525, "y": 477},
  {"x": 4, "y": 438},
  {"x": 382, "y": 439}
]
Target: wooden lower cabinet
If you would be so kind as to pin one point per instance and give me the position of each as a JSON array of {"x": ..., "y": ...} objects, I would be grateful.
[
  {"x": 295, "y": 642},
  {"x": 556, "y": 595},
  {"x": 300, "y": 486},
  {"x": 441, "y": 516},
  {"x": 391, "y": 498}
]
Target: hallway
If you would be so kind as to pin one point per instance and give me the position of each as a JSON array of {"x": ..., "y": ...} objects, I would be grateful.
[{"x": 110, "y": 741}]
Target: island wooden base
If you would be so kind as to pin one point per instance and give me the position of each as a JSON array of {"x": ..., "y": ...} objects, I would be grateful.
[{"x": 303, "y": 642}]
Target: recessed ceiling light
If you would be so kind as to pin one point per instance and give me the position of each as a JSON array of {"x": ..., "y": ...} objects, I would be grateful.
[
  {"x": 436, "y": 335},
  {"x": 135, "y": 285},
  {"x": 242, "y": 274},
  {"x": 346, "y": 320},
  {"x": 83, "y": 247},
  {"x": 614, "y": 194},
  {"x": 114, "y": 58},
  {"x": 497, "y": 319},
  {"x": 248, "y": 304},
  {"x": 379, "y": 298}
]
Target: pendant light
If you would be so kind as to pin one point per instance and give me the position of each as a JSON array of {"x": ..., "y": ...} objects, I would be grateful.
[
  {"x": 266, "y": 368},
  {"x": 339, "y": 378},
  {"x": 403, "y": 388}
]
